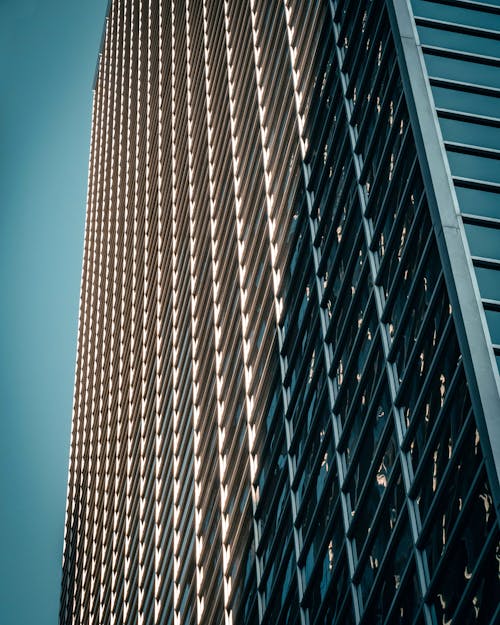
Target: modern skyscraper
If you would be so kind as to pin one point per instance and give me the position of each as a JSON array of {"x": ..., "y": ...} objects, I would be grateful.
[{"x": 287, "y": 402}]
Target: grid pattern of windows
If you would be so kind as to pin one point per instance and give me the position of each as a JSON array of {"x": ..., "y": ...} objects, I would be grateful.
[{"x": 280, "y": 415}]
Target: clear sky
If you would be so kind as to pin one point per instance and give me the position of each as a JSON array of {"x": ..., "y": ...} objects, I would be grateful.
[{"x": 48, "y": 52}]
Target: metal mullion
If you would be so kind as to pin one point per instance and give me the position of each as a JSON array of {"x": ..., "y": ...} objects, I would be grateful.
[
  {"x": 77, "y": 421},
  {"x": 285, "y": 392},
  {"x": 263, "y": 352},
  {"x": 223, "y": 39},
  {"x": 326, "y": 348},
  {"x": 405, "y": 461},
  {"x": 111, "y": 413},
  {"x": 195, "y": 351},
  {"x": 93, "y": 436}
]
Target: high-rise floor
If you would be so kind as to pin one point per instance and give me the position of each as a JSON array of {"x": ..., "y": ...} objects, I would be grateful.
[{"x": 287, "y": 402}]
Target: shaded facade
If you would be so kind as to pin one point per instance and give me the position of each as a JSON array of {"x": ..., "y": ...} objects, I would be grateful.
[{"x": 287, "y": 402}]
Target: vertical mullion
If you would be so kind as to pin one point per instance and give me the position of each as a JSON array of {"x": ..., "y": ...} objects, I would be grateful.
[
  {"x": 278, "y": 304},
  {"x": 391, "y": 371},
  {"x": 119, "y": 252},
  {"x": 216, "y": 309},
  {"x": 257, "y": 530},
  {"x": 194, "y": 342},
  {"x": 106, "y": 403},
  {"x": 92, "y": 403},
  {"x": 323, "y": 318}
]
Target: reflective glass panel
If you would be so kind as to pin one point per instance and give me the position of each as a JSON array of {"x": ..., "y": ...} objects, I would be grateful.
[
  {"x": 489, "y": 282},
  {"x": 478, "y": 202},
  {"x": 493, "y": 319},
  {"x": 457, "y": 15},
  {"x": 483, "y": 242},
  {"x": 474, "y": 167},
  {"x": 459, "y": 41},
  {"x": 480, "y": 135},
  {"x": 476, "y": 103},
  {"x": 463, "y": 71}
]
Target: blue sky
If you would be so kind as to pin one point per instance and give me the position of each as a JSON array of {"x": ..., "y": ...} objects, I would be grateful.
[{"x": 48, "y": 52}]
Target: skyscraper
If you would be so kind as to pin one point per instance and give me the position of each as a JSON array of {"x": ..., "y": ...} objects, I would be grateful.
[{"x": 287, "y": 402}]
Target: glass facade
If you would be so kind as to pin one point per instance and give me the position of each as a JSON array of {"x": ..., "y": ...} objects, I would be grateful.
[{"x": 287, "y": 405}]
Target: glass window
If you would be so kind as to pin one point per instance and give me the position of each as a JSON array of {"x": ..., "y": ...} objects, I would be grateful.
[
  {"x": 489, "y": 282},
  {"x": 475, "y": 167},
  {"x": 460, "y": 131},
  {"x": 483, "y": 241},
  {"x": 459, "y": 41},
  {"x": 463, "y": 71},
  {"x": 457, "y": 15},
  {"x": 478, "y": 202},
  {"x": 476, "y": 103},
  {"x": 493, "y": 319}
]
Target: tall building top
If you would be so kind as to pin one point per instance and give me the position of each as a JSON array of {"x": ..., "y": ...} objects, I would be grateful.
[{"x": 287, "y": 399}]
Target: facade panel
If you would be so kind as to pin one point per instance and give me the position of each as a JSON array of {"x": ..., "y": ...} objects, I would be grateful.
[{"x": 287, "y": 391}]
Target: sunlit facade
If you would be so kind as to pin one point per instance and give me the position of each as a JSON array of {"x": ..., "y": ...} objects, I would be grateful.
[{"x": 287, "y": 405}]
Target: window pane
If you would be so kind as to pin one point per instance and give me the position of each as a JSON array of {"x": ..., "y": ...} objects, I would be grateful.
[
  {"x": 462, "y": 71},
  {"x": 459, "y": 41},
  {"x": 448, "y": 13},
  {"x": 475, "y": 167},
  {"x": 477, "y": 202},
  {"x": 475, "y": 103},
  {"x": 471, "y": 134},
  {"x": 489, "y": 282},
  {"x": 493, "y": 319},
  {"x": 483, "y": 241}
]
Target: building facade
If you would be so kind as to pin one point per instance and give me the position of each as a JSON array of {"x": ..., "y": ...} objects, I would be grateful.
[{"x": 287, "y": 403}]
